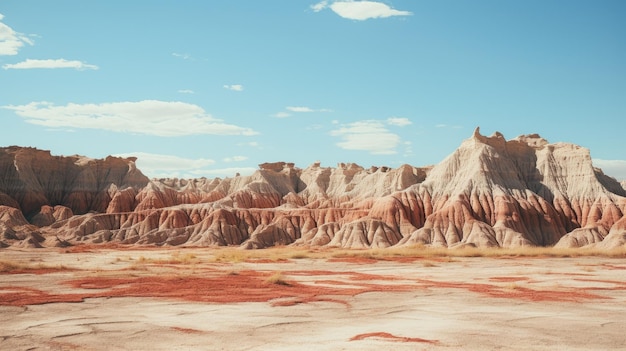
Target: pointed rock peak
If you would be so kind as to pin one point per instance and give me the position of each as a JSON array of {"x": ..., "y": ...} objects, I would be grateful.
[
  {"x": 495, "y": 140},
  {"x": 477, "y": 134}
]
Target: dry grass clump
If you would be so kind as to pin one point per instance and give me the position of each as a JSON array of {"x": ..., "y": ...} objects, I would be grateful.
[
  {"x": 272, "y": 254},
  {"x": 8, "y": 266},
  {"x": 277, "y": 278},
  {"x": 440, "y": 254},
  {"x": 11, "y": 266},
  {"x": 175, "y": 258}
]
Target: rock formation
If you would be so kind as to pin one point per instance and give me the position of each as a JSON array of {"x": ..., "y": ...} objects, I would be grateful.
[{"x": 490, "y": 192}]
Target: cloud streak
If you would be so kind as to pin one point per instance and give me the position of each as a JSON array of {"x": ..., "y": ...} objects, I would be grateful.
[
  {"x": 50, "y": 64},
  {"x": 235, "y": 159},
  {"x": 150, "y": 117},
  {"x": 170, "y": 166},
  {"x": 181, "y": 56},
  {"x": 368, "y": 135},
  {"x": 11, "y": 41},
  {"x": 399, "y": 121},
  {"x": 234, "y": 87},
  {"x": 298, "y": 109},
  {"x": 359, "y": 10}
]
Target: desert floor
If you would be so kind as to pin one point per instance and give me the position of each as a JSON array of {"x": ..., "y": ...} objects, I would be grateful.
[{"x": 223, "y": 299}]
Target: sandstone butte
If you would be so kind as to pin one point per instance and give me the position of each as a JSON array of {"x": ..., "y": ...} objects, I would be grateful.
[{"x": 490, "y": 192}]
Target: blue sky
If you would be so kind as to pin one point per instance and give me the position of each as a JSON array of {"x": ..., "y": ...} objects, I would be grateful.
[{"x": 211, "y": 88}]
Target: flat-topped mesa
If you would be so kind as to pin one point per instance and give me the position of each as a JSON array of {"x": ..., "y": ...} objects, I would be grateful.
[
  {"x": 533, "y": 140},
  {"x": 276, "y": 166},
  {"x": 34, "y": 178}
]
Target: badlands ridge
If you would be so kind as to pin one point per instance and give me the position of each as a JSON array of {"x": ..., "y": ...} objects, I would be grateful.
[{"x": 490, "y": 192}]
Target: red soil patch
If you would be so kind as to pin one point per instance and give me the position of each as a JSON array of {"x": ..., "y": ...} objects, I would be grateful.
[
  {"x": 38, "y": 271},
  {"x": 391, "y": 337},
  {"x": 21, "y": 296},
  {"x": 612, "y": 266},
  {"x": 245, "y": 286},
  {"x": 508, "y": 279},
  {"x": 572, "y": 295},
  {"x": 619, "y": 285},
  {"x": 188, "y": 330}
]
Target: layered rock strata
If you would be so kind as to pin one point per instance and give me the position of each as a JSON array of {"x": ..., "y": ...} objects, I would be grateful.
[{"x": 490, "y": 192}]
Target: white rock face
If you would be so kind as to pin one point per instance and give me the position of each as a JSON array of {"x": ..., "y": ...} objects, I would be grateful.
[{"x": 490, "y": 192}]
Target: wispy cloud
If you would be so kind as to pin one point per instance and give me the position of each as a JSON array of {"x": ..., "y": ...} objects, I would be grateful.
[
  {"x": 235, "y": 159},
  {"x": 182, "y": 56},
  {"x": 448, "y": 126},
  {"x": 282, "y": 115},
  {"x": 408, "y": 149},
  {"x": 319, "y": 6},
  {"x": 11, "y": 41},
  {"x": 368, "y": 135},
  {"x": 164, "y": 166},
  {"x": 398, "y": 121},
  {"x": 170, "y": 166},
  {"x": 234, "y": 87},
  {"x": 249, "y": 143},
  {"x": 613, "y": 168},
  {"x": 359, "y": 10},
  {"x": 186, "y": 91},
  {"x": 298, "y": 109},
  {"x": 50, "y": 64},
  {"x": 151, "y": 117}
]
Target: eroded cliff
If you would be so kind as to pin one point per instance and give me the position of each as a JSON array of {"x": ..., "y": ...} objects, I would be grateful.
[{"x": 489, "y": 192}]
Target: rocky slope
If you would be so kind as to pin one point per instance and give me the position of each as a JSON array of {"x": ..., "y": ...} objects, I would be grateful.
[{"x": 489, "y": 192}]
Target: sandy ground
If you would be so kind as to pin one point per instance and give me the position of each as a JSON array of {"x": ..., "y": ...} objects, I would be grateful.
[{"x": 184, "y": 300}]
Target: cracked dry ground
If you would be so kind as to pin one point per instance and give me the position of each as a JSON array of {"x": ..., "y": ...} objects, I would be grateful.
[{"x": 191, "y": 299}]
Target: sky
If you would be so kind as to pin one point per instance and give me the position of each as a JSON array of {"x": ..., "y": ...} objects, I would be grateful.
[{"x": 214, "y": 88}]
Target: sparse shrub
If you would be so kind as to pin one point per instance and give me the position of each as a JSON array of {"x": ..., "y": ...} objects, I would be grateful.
[{"x": 277, "y": 278}]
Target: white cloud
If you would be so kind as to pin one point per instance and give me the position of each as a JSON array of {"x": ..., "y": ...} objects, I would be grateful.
[
  {"x": 398, "y": 121},
  {"x": 164, "y": 166},
  {"x": 315, "y": 127},
  {"x": 360, "y": 10},
  {"x": 368, "y": 135},
  {"x": 235, "y": 159},
  {"x": 613, "y": 168},
  {"x": 186, "y": 91},
  {"x": 319, "y": 6},
  {"x": 334, "y": 121},
  {"x": 282, "y": 115},
  {"x": 151, "y": 117},
  {"x": 234, "y": 87},
  {"x": 10, "y": 40},
  {"x": 50, "y": 64},
  {"x": 448, "y": 126},
  {"x": 169, "y": 166},
  {"x": 250, "y": 143},
  {"x": 299, "y": 109},
  {"x": 181, "y": 56}
]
